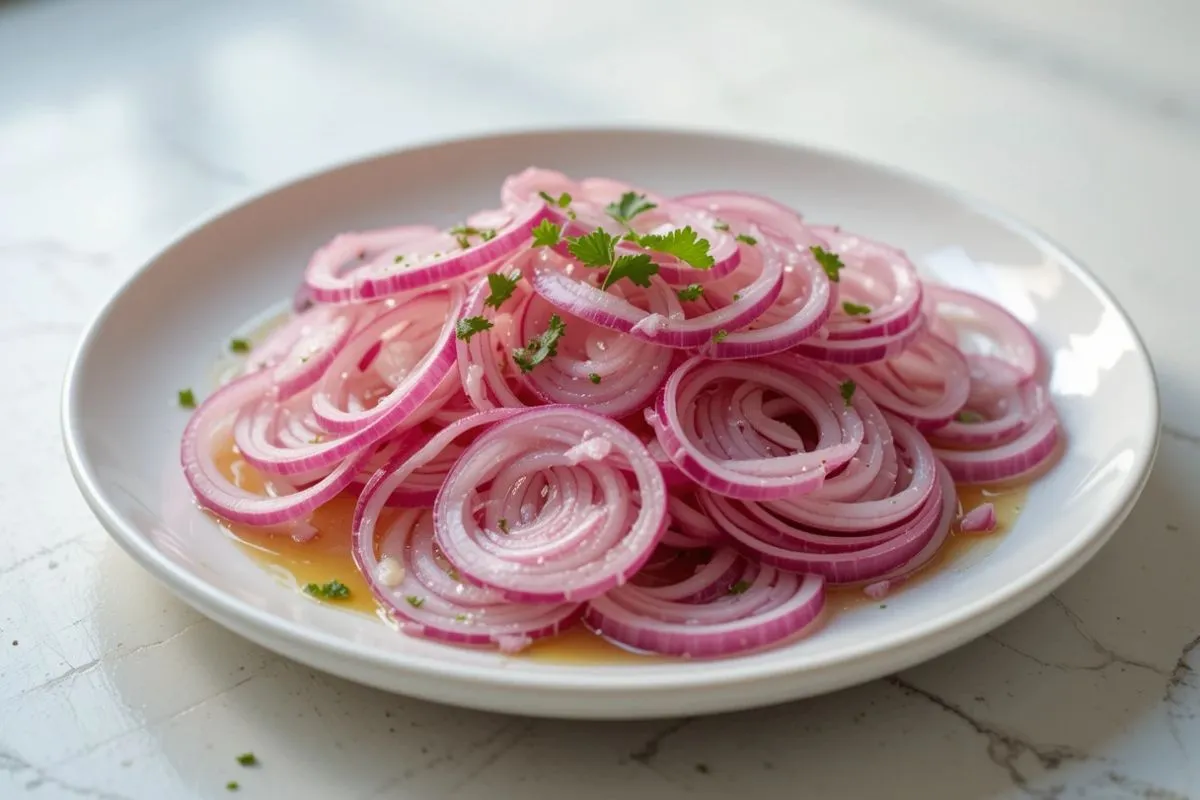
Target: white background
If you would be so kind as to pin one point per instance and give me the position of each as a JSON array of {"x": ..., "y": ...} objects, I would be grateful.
[{"x": 122, "y": 121}]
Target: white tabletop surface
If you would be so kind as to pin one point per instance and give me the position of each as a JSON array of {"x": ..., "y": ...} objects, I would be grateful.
[{"x": 122, "y": 121}]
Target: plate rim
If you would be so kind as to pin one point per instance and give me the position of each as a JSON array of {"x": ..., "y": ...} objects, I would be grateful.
[{"x": 913, "y": 644}]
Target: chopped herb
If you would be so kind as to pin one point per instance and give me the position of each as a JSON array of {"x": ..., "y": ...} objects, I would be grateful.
[
  {"x": 690, "y": 292},
  {"x": 740, "y": 587},
  {"x": 398, "y": 258},
  {"x": 883, "y": 605},
  {"x": 502, "y": 287},
  {"x": 855, "y": 310},
  {"x": 683, "y": 243},
  {"x": 539, "y": 348},
  {"x": 637, "y": 268},
  {"x": 737, "y": 296},
  {"x": 334, "y": 590},
  {"x": 320, "y": 437},
  {"x": 248, "y": 760},
  {"x": 469, "y": 326},
  {"x": 969, "y": 417},
  {"x": 720, "y": 335},
  {"x": 721, "y": 226},
  {"x": 232, "y": 786},
  {"x": 452, "y": 573},
  {"x": 487, "y": 234},
  {"x": 463, "y": 242},
  {"x": 629, "y": 206},
  {"x": 187, "y": 398},
  {"x": 830, "y": 262},
  {"x": 745, "y": 239},
  {"x": 414, "y": 601},
  {"x": 847, "y": 389},
  {"x": 239, "y": 345},
  {"x": 562, "y": 201},
  {"x": 502, "y": 524},
  {"x": 546, "y": 234},
  {"x": 593, "y": 250},
  {"x": 594, "y": 378},
  {"x": 460, "y": 618}
]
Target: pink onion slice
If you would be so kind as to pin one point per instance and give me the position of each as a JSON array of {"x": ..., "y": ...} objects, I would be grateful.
[
  {"x": 772, "y": 606},
  {"x": 572, "y": 528},
  {"x": 876, "y": 276},
  {"x": 329, "y": 276},
  {"x": 396, "y": 361},
  {"x": 927, "y": 384},
  {"x": 711, "y": 421},
  {"x": 1008, "y": 460},
  {"x": 430, "y": 600},
  {"x": 209, "y": 424},
  {"x": 595, "y": 368},
  {"x": 980, "y": 519},
  {"x": 979, "y": 327}
]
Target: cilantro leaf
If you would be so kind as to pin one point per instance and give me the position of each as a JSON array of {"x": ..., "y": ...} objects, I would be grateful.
[
  {"x": 232, "y": 786},
  {"x": 248, "y": 760},
  {"x": 720, "y": 335},
  {"x": 969, "y": 417},
  {"x": 334, "y": 590},
  {"x": 594, "y": 377},
  {"x": 546, "y": 234},
  {"x": 721, "y": 226},
  {"x": 830, "y": 262},
  {"x": 690, "y": 292},
  {"x": 683, "y": 243},
  {"x": 502, "y": 287},
  {"x": 637, "y": 268},
  {"x": 594, "y": 250},
  {"x": 463, "y": 234},
  {"x": 847, "y": 389},
  {"x": 739, "y": 588},
  {"x": 562, "y": 201},
  {"x": 187, "y": 398},
  {"x": 629, "y": 206},
  {"x": 398, "y": 259},
  {"x": 469, "y": 326},
  {"x": 239, "y": 345},
  {"x": 539, "y": 348},
  {"x": 855, "y": 310},
  {"x": 415, "y": 601},
  {"x": 746, "y": 239}
]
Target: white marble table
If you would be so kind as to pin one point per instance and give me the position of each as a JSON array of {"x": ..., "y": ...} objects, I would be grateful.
[{"x": 121, "y": 121}]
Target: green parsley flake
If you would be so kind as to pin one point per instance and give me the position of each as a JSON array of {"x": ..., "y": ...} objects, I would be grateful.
[
  {"x": 452, "y": 574},
  {"x": 720, "y": 335},
  {"x": 637, "y": 268},
  {"x": 683, "y": 243},
  {"x": 469, "y": 326},
  {"x": 629, "y": 206},
  {"x": 594, "y": 378},
  {"x": 562, "y": 201},
  {"x": 398, "y": 258},
  {"x": 334, "y": 590},
  {"x": 745, "y": 239},
  {"x": 539, "y": 348},
  {"x": 737, "y": 296},
  {"x": 830, "y": 262},
  {"x": 546, "y": 234},
  {"x": 232, "y": 786},
  {"x": 502, "y": 287},
  {"x": 969, "y": 417},
  {"x": 239, "y": 345},
  {"x": 721, "y": 226},
  {"x": 847, "y": 389},
  {"x": 855, "y": 310},
  {"x": 739, "y": 588},
  {"x": 414, "y": 601},
  {"x": 502, "y": 524},
  {"x": 690, "y": 292},
  {"x": 594, "y": 250},
  {"x": 248, "y": 760},
  {"x": 460, "y": 618},
  {"x": 187, "y": 398}
]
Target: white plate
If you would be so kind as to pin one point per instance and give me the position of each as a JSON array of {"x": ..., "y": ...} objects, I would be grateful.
[{"x": 165, "y": 327}]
